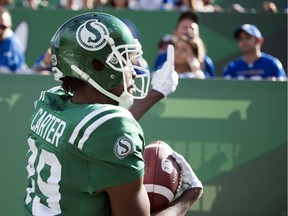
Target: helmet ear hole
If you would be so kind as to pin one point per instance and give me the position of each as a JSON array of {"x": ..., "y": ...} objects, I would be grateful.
[{"x": 97, "y": 65}]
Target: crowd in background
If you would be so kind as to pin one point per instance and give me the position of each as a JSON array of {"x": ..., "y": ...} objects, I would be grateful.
[
  {"x": 183, "y": 5},
  {"x": 191, "y": 59}
]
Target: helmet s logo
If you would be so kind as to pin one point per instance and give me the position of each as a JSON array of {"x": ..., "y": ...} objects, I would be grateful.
[
  {"x": 92, "y": 35},
  {"x": 123, "y": 147}
]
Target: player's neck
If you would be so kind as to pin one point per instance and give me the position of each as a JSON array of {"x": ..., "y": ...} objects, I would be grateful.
[{"x": 89, "y": 95}]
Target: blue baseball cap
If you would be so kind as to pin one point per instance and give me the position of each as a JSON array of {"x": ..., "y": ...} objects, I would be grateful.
[{"x": 249, "y": 29}]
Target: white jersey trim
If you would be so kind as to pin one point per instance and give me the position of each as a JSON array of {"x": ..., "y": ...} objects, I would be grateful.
[
  {"x": 85, "y": 120},
  {"x": 99, "y": 122},
  {"x": 96, "y": 124}
]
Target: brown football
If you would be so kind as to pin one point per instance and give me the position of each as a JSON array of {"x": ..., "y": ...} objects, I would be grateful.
[{"x": 162, "y": 177}]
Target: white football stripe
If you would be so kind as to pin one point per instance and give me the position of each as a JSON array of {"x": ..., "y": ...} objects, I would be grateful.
[
  {"x": 153, "y": 145},
  {"x": 160, "y": 190}
]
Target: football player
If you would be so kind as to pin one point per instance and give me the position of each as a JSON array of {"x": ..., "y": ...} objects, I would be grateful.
[{"x": 85, "y": 146}]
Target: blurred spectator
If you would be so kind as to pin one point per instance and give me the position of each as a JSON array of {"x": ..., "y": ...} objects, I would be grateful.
[
  {"x": 269, "y": 7},
  {"x": 145, "y": 4},
  {"x": 12, "y": 59},
  {"x": 119, "y": 4},
  {"x": 185, "y": 5},
  {"x": 43, "y": 64},
  {"x": 99, "y": 3},
  {"x": 236, "y": 8},
  {"x": 35, "y": 4},
  {"x": 32, "y": 4},
  {"x": 208, "y": 6},
  {"x": 253, "y": 64},
  {"x": 189, "y": 57},
  {"x": 187, "y": 23},
  {"x": 164, "y": 42},
  {"x": 153, "y": 4},
  {"x": 167, "y": 5},
  {"x": 76, "y": 4},
  {"x": 6, "y": 3}
]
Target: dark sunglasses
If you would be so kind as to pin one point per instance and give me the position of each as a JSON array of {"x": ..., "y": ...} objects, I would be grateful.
[{"x": 3, "y": 27}]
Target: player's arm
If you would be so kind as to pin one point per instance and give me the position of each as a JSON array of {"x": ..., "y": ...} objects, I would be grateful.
[
  {"x": 140, "y": 106},
  {"x": 181, "y": 205},
  {"x": 129, "y": 199},
  {"x": 164, "y": 82},
  {"x": 191, "y": 189}
]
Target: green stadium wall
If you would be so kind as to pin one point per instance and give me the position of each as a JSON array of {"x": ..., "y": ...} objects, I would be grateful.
[
  {"x": 233, "y": 133},
  {"x": 216, "y": 29}
]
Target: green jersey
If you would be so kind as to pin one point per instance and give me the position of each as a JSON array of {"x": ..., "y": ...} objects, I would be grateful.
[{"x": 77, "y": 150}]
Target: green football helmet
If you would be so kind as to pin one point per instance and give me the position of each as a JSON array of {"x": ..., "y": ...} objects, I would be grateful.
[{"x": 99, "y": 48}]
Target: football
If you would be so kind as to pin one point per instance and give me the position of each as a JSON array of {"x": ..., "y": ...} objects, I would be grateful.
[{"x": 162, "y": 178}]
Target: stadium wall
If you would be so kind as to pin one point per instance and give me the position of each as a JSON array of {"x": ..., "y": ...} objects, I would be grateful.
[
  {"x": 233, "y": 133},
  {"x": 36, "y": 29}
]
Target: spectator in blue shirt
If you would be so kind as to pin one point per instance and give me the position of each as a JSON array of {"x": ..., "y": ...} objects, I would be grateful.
[
  {"x": 43, "y": 64},
  {"x": 12, "y": 59},
  {"x": 187, "y": 24},
  {"x": 253, "y": 64}
]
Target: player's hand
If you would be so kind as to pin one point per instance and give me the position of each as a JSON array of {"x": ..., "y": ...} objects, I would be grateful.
[
  {"x": 165, "y": 80},
  {"x": 189, "y": 178}
]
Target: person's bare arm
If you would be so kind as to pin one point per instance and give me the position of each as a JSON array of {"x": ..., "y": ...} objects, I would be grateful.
[
  {"x": 191, "y": 189},
  {"x": 129, "y": 199},
  {"x": 180, "y": 206},
  {"x": 164, "y": 82},
  {"x": 141, "y": 106}
]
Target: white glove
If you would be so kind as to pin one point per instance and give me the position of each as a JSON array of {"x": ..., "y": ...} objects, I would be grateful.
[
  {"x": 165, "y": 80},
  {"x": 189, "y": 178}
]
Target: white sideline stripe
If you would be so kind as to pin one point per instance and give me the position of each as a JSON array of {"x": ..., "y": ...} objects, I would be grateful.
[
  {"x": 160, "y": 190},
  {"x": 85, "y": 120},
  {"x": 99, "y": 122}
]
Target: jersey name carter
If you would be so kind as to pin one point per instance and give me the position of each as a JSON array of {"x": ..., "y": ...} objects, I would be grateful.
[{"x": 47, "y": 126}]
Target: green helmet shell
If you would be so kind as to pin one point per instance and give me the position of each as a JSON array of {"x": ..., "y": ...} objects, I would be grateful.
[{"x": 83, "y": 41}]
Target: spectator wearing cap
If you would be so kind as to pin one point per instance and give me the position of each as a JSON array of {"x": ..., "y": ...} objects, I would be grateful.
[
  {"x": 253, "y": 64},
  {"x": 12, "y": 58}
]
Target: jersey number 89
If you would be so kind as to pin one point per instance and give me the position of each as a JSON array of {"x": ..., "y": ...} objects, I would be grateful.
[{"x": 48, "y": 187}]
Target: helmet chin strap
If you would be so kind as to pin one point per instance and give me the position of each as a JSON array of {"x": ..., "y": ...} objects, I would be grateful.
[{"x": 125, "y": 100}]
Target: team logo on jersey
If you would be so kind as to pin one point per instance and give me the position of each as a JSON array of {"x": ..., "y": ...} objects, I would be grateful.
[
  {"x": 92, "y": 35},
  {"x": 123, "y": 147}
]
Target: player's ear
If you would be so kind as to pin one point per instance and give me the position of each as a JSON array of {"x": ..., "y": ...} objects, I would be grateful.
[{"x": 260, "y": 40}]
